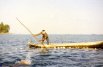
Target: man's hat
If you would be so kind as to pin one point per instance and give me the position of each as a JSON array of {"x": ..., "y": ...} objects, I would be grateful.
[{"x": 43, "y": 30}]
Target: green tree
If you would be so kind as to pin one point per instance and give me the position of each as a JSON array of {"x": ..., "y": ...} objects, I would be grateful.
[
  {"x": 1, "y": 27},
  {"x": 7, "y": 28},
  {"x": 4, "y": 28}
]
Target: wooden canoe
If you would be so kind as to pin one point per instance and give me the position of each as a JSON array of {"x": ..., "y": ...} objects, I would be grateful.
[{"x": 98, "y": 44}]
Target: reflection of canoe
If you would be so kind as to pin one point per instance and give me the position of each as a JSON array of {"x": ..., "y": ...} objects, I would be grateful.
[{"x": 98, "y": 44}]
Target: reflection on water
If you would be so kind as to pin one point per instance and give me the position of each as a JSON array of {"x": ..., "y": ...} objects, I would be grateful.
[{"x": 14, "y": 48}]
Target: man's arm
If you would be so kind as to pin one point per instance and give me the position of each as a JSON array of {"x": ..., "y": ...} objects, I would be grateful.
[{"x": 36, "y": 34}]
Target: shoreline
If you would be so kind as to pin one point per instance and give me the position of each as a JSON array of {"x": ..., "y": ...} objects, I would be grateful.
[{"x": 4, "y": 33}]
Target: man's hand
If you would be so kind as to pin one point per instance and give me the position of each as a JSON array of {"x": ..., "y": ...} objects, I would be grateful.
[
  {"x": 40, "y": 40},
  {"x": 33, "y": 35}
]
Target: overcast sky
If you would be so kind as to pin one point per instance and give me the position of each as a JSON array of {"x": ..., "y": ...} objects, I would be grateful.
[{"x": 55, "y": 16}]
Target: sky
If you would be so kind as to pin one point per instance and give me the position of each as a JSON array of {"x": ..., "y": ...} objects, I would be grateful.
[{"x": 55, "y": 16}]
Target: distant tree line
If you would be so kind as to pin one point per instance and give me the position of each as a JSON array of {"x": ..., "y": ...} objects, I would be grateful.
[{"x": 4, "y": 28}]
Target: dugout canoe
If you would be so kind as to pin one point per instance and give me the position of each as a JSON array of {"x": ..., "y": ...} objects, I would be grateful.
[{"x": 97, "y": 44}]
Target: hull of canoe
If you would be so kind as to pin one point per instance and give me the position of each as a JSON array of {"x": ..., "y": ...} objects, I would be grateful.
[{"x": 98, "y": 44}]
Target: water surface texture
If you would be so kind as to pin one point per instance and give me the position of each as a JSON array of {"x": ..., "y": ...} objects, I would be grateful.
[{"x": 14, "y": 48}]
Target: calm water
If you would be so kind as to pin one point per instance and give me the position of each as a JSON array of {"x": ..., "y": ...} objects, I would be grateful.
[{"x": 14, "y": 48}]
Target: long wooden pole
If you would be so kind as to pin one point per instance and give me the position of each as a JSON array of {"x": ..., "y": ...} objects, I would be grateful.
[
  {"x": 30, "y": 32},
  {"x": 27, "y": 29}
]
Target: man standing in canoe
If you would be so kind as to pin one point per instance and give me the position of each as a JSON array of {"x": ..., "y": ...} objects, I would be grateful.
[{"x": 44, "y": 37}]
